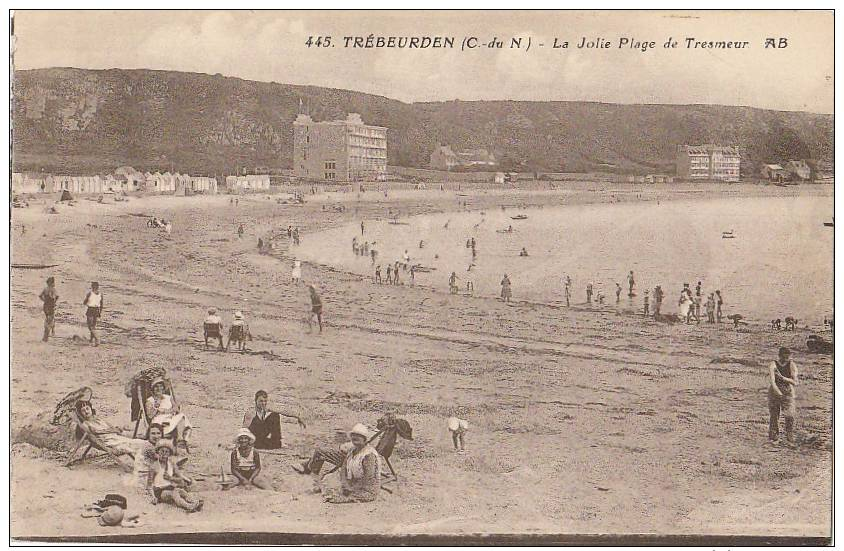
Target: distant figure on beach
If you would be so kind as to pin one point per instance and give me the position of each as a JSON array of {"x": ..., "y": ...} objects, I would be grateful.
[
  {"x": 316, "y": 308},
  {"x": 506, "y": 292},
  {"x": 240, "y": 230},
  {"x": 736, "y": 319},
  {"x": 373, "y": 253},
  {"x": 647, "y": 305},
  {"x": 213, "y": 327},
  {"x": 452, "y": 283},
  {"x": 260, "y": 244},
  {"x": 296, "y": 235},
  {"x": 698, "y": 300},
  {"x": 719, "y": 302},
  {"x": 238, "y": 332},
  {"x": 355, "y": 244},
  {"x": 389, "y": 274},
  {"x": 600, "y": 296},
  {"x": 94, "y": 302},
  {"x": 361, "y": 227},
  {"x": 406, "y": 259},
  {"x": 696, "y": 309},
  {"x": 781, "y": 395},
  {"x": 631, "y": 282},
  {"x": 568, "y": 290},
  {"x": 296, "y": 274},
  {"x": 396, "y": 273},
  {"x": 458, "y": 429},
  {"x": 589, "y": 293},
  {"x": 289, "y": 232},
  {"x": 49, "y": 297},
  {"x": 685, "y": 303},
  {"x": 378, "y": 274},
  {"x": 658, "y": 297},
  {"x": 710, "y": 308},
  {"x": 421, "y": 244},
  {"x": 412, "y": 275},
  {"x": 168, "y": 227},
  {"x": 523, "y": 252},
  {"x": 617, "y": 292}
]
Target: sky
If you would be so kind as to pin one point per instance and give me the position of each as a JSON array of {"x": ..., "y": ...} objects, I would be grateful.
[{"x": 270, "y": 46}]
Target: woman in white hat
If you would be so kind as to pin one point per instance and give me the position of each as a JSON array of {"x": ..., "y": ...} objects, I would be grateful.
[
  {"x": 246, "y": 463},
  {"x": 164, "y": 410},
  {"x": 360, "y": 473}
]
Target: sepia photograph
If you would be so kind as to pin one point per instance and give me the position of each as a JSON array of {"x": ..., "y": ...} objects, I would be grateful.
[{"x": 373, "y": 277}]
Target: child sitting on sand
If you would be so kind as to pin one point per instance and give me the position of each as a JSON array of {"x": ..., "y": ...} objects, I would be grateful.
[
  {"x": 458, "y": 428},
  {"x": 246, "y": 463},
  {"x": 167, "y": 483}
]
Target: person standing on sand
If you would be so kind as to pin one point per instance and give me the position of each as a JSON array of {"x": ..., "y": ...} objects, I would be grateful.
[
  {"x": 506, "y": 292},
  {"x": 698, "y": 300},
  {"x": 589, "y": 293},
  {"x": 631, "y": 282},
  {"x": 296, "y": 275},
  {"x": 781, "y": 395},
  {"x": 412, "y": 275},
  {"x": 389, "y": 274},
  {"x": 396, "y": 273},
  {"x": 361, "y": 227},
  {"x": 452, "y": 283},
  {"x": 568, "y": 290},
  {"x": 617, "y": 292},
  {"x": 373, "y": 253},
  {"x": 49, "y": 297},
  {"x": 240, "y": 231},
  {"x": 647, "y": 305},
  {"x": 719, "y": 302},
  {"x": 94, "y": 302},
  {"x": 289, "y": 232},
  {"x": 658, "y": 296},
  {"x": 378, "y": 274},
  {"x": 296, "y": 235},
  {"x": 316, "y": 308},
  {"x": 710, "y": 308}
]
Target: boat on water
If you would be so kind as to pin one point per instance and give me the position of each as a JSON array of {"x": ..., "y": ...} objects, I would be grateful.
[{"x": 519, "y": 217}]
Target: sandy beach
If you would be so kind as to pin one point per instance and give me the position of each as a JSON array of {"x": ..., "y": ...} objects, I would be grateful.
[{"x": 583, "y": 419}]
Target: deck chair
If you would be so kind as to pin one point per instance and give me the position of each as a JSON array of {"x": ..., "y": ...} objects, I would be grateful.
[
  {"x": 84, "y": 436},
  {"x": 139, "y": 388},
  {"x": 239, "y": 334},
  {"x": 213, "y": 331}
]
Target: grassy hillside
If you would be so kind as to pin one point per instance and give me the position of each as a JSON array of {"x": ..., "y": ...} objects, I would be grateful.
[{"x": 76, "y": 120}]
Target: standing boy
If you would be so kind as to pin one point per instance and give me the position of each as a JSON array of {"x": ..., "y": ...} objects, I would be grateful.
[
  {"x": 49, "y": 297},
  {"x": 781, "y": 394},
  {"x": 94, "y": 303}
]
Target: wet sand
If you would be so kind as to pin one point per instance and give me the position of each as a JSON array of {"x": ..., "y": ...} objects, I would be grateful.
[{"x": 582, "y": 420}]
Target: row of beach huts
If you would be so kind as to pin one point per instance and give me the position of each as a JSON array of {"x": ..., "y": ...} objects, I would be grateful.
[{"x": 128, "y": 180}]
